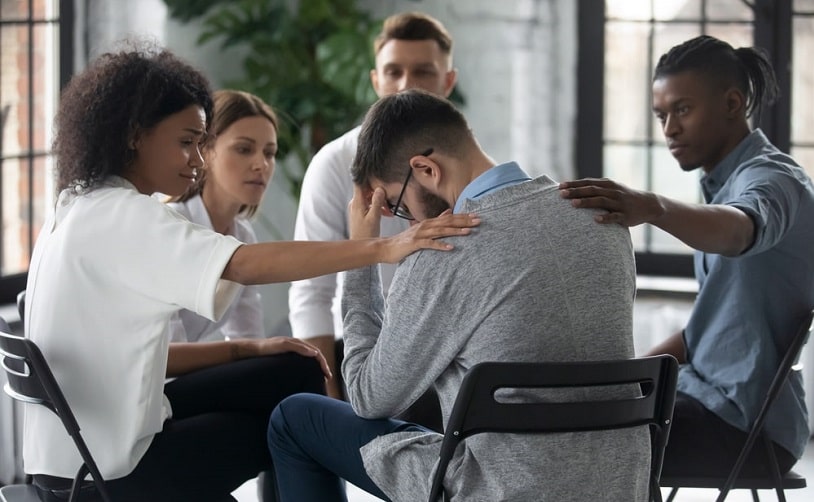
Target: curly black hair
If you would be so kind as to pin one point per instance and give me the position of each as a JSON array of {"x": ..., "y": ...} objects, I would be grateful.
[{"x": 119, "y": 94}]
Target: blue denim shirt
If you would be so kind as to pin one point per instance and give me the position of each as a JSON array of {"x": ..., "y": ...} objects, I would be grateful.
[
  {"x": 748, "y": 307},
  {"x": 499, "y": 176}
]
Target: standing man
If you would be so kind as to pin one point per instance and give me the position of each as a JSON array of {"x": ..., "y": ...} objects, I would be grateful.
[
  {"x": 537, "y": 282},
  {"x": 413, "y": 50},
  {"x": 754, "y": 261}
]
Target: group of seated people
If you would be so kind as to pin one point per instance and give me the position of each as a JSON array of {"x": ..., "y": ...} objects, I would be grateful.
[{"x": 149, "y": 316}]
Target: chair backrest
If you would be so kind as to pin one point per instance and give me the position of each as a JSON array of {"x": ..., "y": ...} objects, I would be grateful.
[
  {"x": 477, "y": 409},
  {"x": 30, "y": 380},
  {"x": 21, "y": 305},
  {"x": 780, "y": 378}
]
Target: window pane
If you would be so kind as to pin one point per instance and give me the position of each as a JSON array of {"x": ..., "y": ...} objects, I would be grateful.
[
  {"x": 628, "y": 9},
  {"x": 13, "y": 9},
  {"x": 669, "y": 178},
  {"x": 805, "y": 157},
  {"x": 804, "y": 6},
  {"x": 677, "y": 9},
  {"x": 802, "y": 85},
  {"x": 13, "y": 86},
  {"x": 45, "y": 72},
  {"x": 666, "y": 36},
  {"x": 628, "y": 165},
  {"x": 729, "y": 10},
  {"x": 18, "y": 79},
  {"x": 29, "y": 89},
  {"x": 662, "y": 242},
  {"x": 627, "y": 84},
  {"x": 15, "y": 232},
  {"x": 19, "y": 229},
  {"x": 737, "y": 35},
  {"x": 18, "y": 9}
]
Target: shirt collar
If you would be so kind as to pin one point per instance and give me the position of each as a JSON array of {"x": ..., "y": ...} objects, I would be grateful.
[
  {"x": 497, "y": 177},
  {"x": 750, "y": 147}
]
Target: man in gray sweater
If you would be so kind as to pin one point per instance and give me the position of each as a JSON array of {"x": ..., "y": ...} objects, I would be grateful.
[{"x": 538, "y": 281}]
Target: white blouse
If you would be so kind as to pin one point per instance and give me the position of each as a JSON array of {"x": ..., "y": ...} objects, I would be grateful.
[
  {"x": 244, "y": 317},
  {"x": 109, "y": 271}
]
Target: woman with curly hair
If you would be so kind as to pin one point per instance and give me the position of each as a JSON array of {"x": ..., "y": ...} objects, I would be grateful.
[{"x": 113, "y": 266}]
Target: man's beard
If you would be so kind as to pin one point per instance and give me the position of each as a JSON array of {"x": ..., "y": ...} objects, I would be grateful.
[{"x": 433, "y": 205}]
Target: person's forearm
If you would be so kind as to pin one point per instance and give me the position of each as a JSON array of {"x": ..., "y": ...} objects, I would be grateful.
[
  {"x": 327, "y": 345},
  {"x": 186, "y": 357},
  {"x": 271, "y": 262},
  {"x": 674, "y": 345},
  {"x": 712, "y": 228}
]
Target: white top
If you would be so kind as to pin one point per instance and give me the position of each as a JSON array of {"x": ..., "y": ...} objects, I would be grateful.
[
  {"x": 323, "y": 216},
  {"x": 110, "y": 269},
  {"x": 244, "y": 317}
]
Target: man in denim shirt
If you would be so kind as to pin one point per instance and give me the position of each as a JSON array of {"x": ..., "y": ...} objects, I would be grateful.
[{"x": 754, "y": 260}]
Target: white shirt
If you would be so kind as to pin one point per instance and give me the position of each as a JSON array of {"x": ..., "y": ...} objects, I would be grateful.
[
  {"x": 323, "y": 216},
  {"x": 110, "y": 269},
  {"x": 244, "y": 317}
]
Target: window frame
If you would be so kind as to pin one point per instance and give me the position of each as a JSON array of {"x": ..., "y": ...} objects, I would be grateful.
[
  {"x": 12, "y": 284},
  {"x": 772, "y": 31}
]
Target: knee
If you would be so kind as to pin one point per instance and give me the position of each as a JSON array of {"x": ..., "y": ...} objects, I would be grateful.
[{"x": 287, "y": 418}]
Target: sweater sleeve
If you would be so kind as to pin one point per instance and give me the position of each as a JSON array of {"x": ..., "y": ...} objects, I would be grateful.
[{"x": 393, "y": 355}]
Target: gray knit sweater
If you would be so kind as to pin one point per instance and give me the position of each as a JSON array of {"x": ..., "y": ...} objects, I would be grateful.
[{"x": 537, "y": 281}]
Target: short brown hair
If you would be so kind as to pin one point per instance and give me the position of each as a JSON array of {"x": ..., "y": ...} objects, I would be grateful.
[
  {"x": 405, "y": 124},
  {"x": 413, "y": 26},
  {"x": 230, "y": 106}
]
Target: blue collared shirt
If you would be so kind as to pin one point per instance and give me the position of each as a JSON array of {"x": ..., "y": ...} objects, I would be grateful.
[
  {"x": 748, "y": 307},
  {"x": 499, "y": 176}
]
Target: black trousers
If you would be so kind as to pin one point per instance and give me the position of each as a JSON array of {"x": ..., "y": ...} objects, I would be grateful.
[
  {"x": 426, "y": 411},
  {"x": 701, "y": 444},
  {"x": 216, "y": 439}
]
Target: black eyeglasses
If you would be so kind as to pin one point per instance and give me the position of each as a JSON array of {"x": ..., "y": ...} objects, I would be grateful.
[{"x": 396, "y": 208}]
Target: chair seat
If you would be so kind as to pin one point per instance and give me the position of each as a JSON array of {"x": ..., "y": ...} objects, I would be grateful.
[
  {"x": 791, "y": 481},
  {"x": 19, "y": 493}
]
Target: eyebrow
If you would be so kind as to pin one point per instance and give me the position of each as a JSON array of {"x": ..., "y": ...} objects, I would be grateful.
[
  {"x": 252, "y": 140},
  {"x": 194, "y": 131},
  {"x": 423, "y": 64}
]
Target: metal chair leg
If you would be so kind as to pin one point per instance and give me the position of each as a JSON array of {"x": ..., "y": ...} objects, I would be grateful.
[{"x": 672, "y": 494}]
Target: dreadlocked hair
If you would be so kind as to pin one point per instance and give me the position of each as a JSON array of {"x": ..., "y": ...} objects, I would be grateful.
[{"x": 747, "y": 68}]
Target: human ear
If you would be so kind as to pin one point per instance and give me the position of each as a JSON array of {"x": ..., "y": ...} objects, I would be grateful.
[
  {"x": 134, "y": 140},
  {"x": 449, "y": 81},
  {"x": 735, "y": 102},
  {"x": 374, "y": 80},
  {"x": 426, "y": 170}
]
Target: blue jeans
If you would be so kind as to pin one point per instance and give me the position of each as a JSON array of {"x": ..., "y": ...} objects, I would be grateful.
[{"x": 315, "y": 442}]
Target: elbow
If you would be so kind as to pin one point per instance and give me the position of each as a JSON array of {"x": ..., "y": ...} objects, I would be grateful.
[
  {"x": 367, "y": 408},
  {"x": 741, "y": 243}
]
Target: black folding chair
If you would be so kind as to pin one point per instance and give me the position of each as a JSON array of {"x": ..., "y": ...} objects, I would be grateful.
[
  {"x": 776, "y": 481},
  {"x": 30, "y": 381},
  {"x": 476, "y": 409}
]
